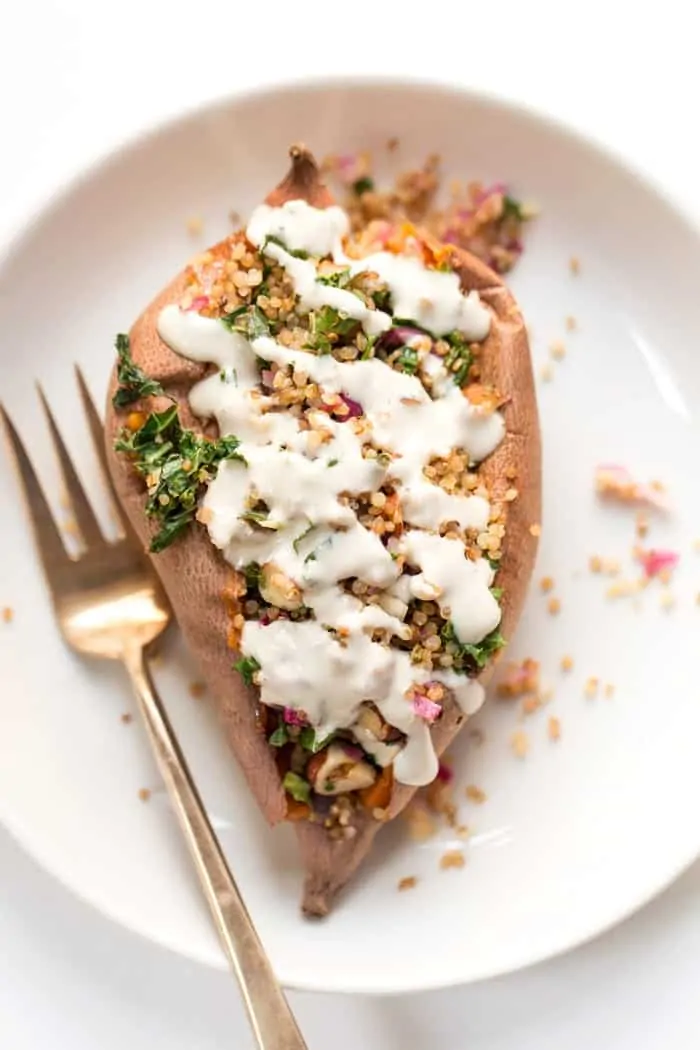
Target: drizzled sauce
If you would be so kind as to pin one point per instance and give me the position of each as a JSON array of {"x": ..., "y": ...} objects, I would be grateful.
[{"x": 309, "y": 534}]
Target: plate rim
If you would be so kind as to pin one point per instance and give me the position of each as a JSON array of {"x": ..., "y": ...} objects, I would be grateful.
[{"x": 90, "y": 167}]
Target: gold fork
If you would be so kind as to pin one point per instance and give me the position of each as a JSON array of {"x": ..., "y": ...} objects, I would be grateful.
[{"x": 109, "y": 603}]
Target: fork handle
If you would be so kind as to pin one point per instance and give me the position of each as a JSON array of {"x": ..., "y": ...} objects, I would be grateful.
[{"x": 268, "y": 1011}]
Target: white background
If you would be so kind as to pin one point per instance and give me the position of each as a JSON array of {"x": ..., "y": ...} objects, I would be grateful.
[{"x": 78, "y": 76}]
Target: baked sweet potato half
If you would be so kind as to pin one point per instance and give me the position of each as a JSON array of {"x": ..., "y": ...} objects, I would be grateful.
[{"x": 330, "y": 445}]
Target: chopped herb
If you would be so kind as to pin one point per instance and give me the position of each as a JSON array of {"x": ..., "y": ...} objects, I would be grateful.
[
  {"x": 329, "y": 786},
  {"x": 176, "y": 464},
  {"x": 341, "y": 279},
  {"x": 229, "y": 375},
  {"x": 382, "y": 299},
  {"x": 368, "y": 351},
  {"x": 133, "y": 381},
  {"x": 259, "y": 516},
  {"x": 408, "y": 360},
  {"x": 332, "y": 463},
  {"x": 329, "y": 326},
  {"x": 252, "y": 573},
  {"x": 512, "y": 209},
  {"x": 458, "y": 359},
  {"x": 406, "y": 322},
  {"x": 298, "y": 253},
  {"x": 297, "y": 787},
  {"x": 280, "y": 737},
  {"x": 250, "y": 321},
  {"x": 469, "y": 657},
  {"x": 363, "y": 185},
  {"x": 246, "y": 667},
  {"x": 303, "y": 535},
  {"x": 497, "y": 592},
  {"x": 310, "y": 742}
]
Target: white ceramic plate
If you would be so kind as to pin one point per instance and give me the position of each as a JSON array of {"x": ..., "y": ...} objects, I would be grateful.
[{"x": 570, "y": 839}]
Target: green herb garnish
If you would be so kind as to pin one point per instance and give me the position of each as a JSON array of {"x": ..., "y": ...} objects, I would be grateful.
[
  {"x": 407, "y": 360},
  {"x": 458, "y": 359},
  {"x": 512, "y": 209},
  {"x": 382, "y": 299},
  {"x": 310, "y": 742},
  {"x": 497, "y": 592},
  {"x": 363, "y": 185},
  {"x": 297, "y": 787},
  {"x": 250, "y": 321},
  {"x": 470, "y": 656},
  {"x": 280, "y": 737},
  {"x": 328, "y": 327},
  {"x": 246, "y": 667},
  {"x": 133, "y": 381},
  {"x": 252, "y": 573},
  {"x": 340, "y": 279},
  {"x": 259, "y": 515},
  {"x": 176, "y": 464},
  {"x": 298, "y": 253},
  {"x": 332, "y": 463}
]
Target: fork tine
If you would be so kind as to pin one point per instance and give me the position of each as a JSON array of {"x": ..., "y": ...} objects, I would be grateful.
[
  {"x": 80, "y": 505},
  {"x": 96, "y": 428},
  {"x": 53, "y": 553}
]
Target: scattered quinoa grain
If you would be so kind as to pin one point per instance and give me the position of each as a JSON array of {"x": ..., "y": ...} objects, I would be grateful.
[
  {"x": 475, "y": 794},
  {"x": 575, "y": 265},
  {"x": 546, "y": 584},
  {"x": 553, "y": 606},
  {"x": 407, "y": 883},
  {"x": 609, "y": 691},
  {"x": 557, "y": 350},
  {"x": 144, "y": 794},
  {"x": 570, "y": 323},
  {"x": 127, "y": 718},
  {"x": 520, "y": 743},
  {"x": 668, "y": 601},
  {"x": 453, "y": 858},
  {"x": 591, "y": 687},
  {"x": 554, "y": 728},
  {"x": 8, "y": 614},
  {"x": 535, "y": 530},
  {"x": 194, "y": 225},
  {"x": 567, "y": 663},
  {"x": 546, "y": 373}
]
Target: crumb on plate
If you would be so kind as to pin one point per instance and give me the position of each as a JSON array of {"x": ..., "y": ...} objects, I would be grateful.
[
  {"x": 554, "y": 606},
  {"x": 575, "y": 265},
  {"x": 570, "y": 323},
  {"x": 407, "y": 883},
  {"x": 554, "y": 728},
  {"x": 452, "y": 858},
  {"x": 557, "y": 350},
  {"x": 546, "y": 373},
  {"x": 591, "y": 687},
  {"x": 126, "y": 718},
  {"x": 144, "y": 794},
  {"x": 475, "y": 794},
  {"x": 567, "y": 663},
  {"x": 194, "y": 225},
  {"x": 520, "y": 743},
  {"x": 8, "y": 614},
  {"x": 546, "y": 584}
]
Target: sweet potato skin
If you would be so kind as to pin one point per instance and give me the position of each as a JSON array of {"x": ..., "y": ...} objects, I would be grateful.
[{"x": 195, "y": 575}]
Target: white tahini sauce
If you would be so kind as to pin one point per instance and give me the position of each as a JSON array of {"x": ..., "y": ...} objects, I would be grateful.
[{"x": 313, "y": 538}]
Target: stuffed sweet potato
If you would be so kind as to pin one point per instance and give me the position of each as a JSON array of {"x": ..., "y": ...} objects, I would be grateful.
[{"x": 330, "y": 444}]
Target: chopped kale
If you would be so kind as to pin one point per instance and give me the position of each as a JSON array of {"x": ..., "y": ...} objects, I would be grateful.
[
  {"x": 280, "y": 737},
  {"x": 133, "y": 381},
  {"x": 497, "y": 592},
  {"x": 458, "y": 359},
  {"x": 512, "y": 209},
  {"x": 250, "y": 321},
  {"x": 470, "y": 657},
  {"x": 177, "y": 464},
  {"x": 407, "y": 360},
  {"x": 252, "y": 573},
  {"x": 329, "y": 326},
  {"x": 297, "y": 787},
  {"x": 340, "y": 279},
  {"x": 310, "y": 742},
  {"x": 246, "y": 667},
  {"x": 363, "y": 185},
  {"x": 382, "y": 299},
  {"x": 298, "y": 253}
]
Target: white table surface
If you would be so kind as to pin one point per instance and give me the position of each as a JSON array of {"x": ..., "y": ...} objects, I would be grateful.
[{"x": 77, "y": 76}]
